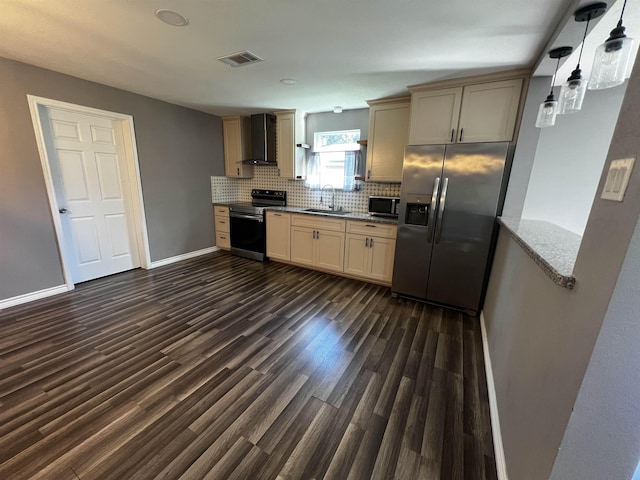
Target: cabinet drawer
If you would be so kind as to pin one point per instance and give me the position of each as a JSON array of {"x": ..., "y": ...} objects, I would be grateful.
[
  {"x": 221, "y": 210},
  {"x": 318, "y": 223},
  {"x": 223, "y": 240},
  {"x": 274, "y": 215},
  {"x": 372, "y": 229},
  {"x": 222, "y": 223}
]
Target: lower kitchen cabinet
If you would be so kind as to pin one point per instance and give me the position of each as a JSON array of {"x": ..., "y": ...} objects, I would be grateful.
[
  {"x": 330, "y": 250},
  {"x": 221, "y": 222},
  {"x": 369, "y": 257},
  {"x": 323, "y": 249},
  {"x": 381, "y": 258},
  {"x": 356, "y": 255},
  {"x": 278, "y": 235},
  {"x": 353, "y": 247},
  {"x": 302, "y": 243}
]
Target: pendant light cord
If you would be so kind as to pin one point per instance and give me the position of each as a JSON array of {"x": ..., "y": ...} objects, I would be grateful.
[
  {"x": 553, "y": 80},
  {"x": 624, "y": 5},
  {"x": 584, "y": 37}
]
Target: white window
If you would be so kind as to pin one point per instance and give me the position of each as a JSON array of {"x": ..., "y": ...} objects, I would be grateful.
[
  {"x": 329, "y": 158},
  {"x": 338, "y": 141}
]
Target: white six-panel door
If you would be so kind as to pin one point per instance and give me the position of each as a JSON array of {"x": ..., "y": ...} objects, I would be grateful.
[{"x": 91, "y": 185}]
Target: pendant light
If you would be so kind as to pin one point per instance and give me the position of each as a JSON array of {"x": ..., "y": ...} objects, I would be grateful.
[
  {"x": 549, "y": 108},
  {"x": 573, "y": 90},
  {"x": 612, "y": 58}
]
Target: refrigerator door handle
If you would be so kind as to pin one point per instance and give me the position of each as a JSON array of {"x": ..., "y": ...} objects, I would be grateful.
[
  {"x": 443, "y": 198},
  {"x": 432, "y": 210}
]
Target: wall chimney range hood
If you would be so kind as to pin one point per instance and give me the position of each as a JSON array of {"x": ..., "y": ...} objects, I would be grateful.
[{"x": 263, "y": 140}]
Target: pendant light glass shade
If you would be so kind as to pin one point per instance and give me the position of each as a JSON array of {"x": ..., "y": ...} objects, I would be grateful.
[
  {"x": 547, "y": 112},
  {"x": 612, "y": 58},
  {"x": 573, "y": 90},
  {"x": 572, "y": 93},
  {"x": 549, "y": 108},
  {"x": 611, "y": 61}
]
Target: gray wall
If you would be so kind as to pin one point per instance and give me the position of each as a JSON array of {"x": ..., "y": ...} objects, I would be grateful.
[
  {"x": 605, "y": 425},
  {"x": 541, "y": 336},
  {"x": 605, "y": 422},
  {"x": 525, "y": 153},
  {"x": 569, "y": 160},
  {"x": 178, "y": 148},
  {"x": 329, "y": 121}
]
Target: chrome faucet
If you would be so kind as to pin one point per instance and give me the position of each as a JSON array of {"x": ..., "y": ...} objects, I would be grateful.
[{"x": 332, "y": 205}]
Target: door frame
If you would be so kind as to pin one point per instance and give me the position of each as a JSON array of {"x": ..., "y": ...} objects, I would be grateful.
[{"x": 133, "y": 169}]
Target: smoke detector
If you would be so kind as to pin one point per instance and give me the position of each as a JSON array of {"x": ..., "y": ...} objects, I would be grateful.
[
  {"x": 240, "y": 59},
  {"x": 172, "y": 18}
]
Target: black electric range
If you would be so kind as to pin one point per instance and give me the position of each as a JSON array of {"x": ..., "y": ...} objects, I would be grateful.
[{"x": 248, "y": 233}]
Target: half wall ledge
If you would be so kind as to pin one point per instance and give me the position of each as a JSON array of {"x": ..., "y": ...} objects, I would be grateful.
[{"x": 551, "y": 247}]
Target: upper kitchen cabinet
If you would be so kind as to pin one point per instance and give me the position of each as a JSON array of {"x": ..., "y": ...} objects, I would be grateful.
[
  {"x": 489, "y": 111},
  {"x": 482, "y": 112},
  {"x": 388, "y": 134},
  {"x": 434, "y": 116},
  {"x": 289, "y": 133},
  {"x": 237, "y": 146}
]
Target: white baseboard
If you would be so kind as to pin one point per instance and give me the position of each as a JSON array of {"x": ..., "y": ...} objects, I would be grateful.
[
  {"x": 30, "y": 297},
  {"x": 184, "y": 256},
  {"x": 501, "y": 465}
]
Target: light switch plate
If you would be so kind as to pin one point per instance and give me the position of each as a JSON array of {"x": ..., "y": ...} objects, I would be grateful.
[{"x": 617, "y": 179}]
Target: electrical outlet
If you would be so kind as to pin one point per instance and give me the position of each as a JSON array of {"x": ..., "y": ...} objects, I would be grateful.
[{"x": 617, "y": 179}]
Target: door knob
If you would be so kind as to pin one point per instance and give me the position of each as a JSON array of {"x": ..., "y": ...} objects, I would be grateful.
[{"x": 63, "y": 210}]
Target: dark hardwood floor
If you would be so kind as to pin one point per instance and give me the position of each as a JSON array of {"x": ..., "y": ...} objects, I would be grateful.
[{"x": 226, "y": 368}]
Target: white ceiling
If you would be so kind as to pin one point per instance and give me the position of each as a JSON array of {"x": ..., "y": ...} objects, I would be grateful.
[{"x": 342, "y": 52}]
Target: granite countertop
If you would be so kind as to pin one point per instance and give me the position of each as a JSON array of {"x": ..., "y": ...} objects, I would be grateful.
[
  {"x": 364, "y": 217},
  {"x": 551, "y": 247}
]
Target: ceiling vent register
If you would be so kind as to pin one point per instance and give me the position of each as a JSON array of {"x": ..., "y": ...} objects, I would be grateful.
[{"x": 240, "y": 59}]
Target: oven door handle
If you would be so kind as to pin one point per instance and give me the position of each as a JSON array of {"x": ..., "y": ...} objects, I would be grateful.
[{"x": 254, "y": 218}]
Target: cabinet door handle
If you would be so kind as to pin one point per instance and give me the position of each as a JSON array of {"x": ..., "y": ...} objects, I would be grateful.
[
  {"x": 317, "y": 235},
  {"x": 368, "y": 173},
  {"x": 453, "y": 135},
  {"x": 238, "y": 171},
  {"x": 366, "y": 242},
  {"x": 371, "y": 242},
  {"x": 277, "y": 215},
  {"x": 461, "y": 134},
  {"x": 370, "y": 226},
  {"x": 278, "y": 172},
  {"x": 314, "y": 234}
]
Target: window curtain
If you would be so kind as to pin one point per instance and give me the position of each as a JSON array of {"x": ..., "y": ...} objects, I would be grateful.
[
  {"x": 353, "y": 167},
  {"x": 313, "y": 171}
]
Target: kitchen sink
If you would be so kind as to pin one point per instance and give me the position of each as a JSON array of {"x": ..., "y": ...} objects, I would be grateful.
[{"x": 327, "y": 212}]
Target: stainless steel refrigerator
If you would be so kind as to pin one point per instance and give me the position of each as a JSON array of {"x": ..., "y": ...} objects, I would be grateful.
[{"x": 449, "y": 199}]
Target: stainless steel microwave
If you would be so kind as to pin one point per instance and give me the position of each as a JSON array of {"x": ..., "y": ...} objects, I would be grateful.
[{"x": 384, "y": 206}]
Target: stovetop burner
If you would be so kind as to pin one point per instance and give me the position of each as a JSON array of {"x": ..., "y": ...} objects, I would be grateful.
[{"x": 260, "y": 200}]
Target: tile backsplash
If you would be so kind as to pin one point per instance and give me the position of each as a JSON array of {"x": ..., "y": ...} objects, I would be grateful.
[{"x": 225, "y": 189}]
